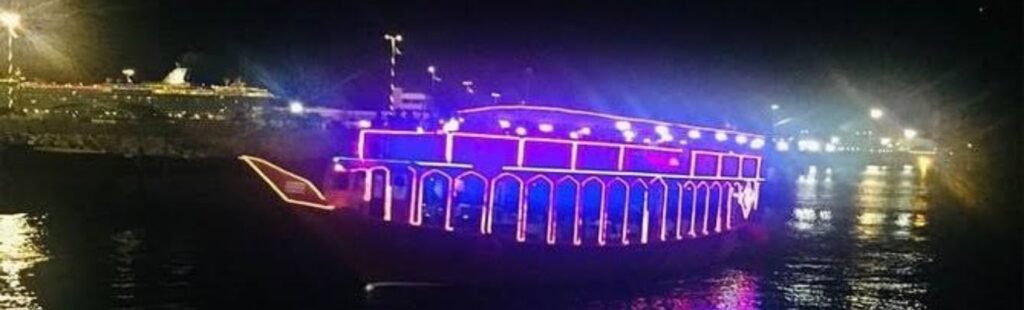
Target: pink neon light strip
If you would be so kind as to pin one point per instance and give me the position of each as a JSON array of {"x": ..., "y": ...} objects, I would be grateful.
[
  {"x": 664, "y": 208},
  {"x": 364, "y": 132},
  {"x": 597, "y": 114},
  {"x": 406, "y": 162},
  {"x": 622, "y": 157},
  {"x": 693, "y": 212},
  {"x": 521, "y": 153},
  {"x": 625, "y": 217},
  {"x": 576, "y": 221},
  {"x": 565, "y": 141},
  {"x": 625, "y": 174},
  {"x": 718, "y": 210},
  {"x": 645, "y": 218},
  {"x": 413, "y": 200},
  {"x": 679, "y": 213},
  {"x": 728, "y": 208},
  {"x": 252, "y": 160},
  {"x": 572, "y": 160},
  {"x": 448, "y": 145}
]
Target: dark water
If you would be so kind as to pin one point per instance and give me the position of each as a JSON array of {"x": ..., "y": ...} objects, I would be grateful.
[{"x": 90, "y": 234}]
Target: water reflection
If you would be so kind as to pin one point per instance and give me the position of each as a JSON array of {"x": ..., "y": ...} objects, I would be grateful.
[
  {"x": 126, "y": 251},
  {"x": 20, "y": 250},
  {"x": 890, "y": 254},
  {"x": 725, "y": 289},
  {"x": 857, "y": 246}
]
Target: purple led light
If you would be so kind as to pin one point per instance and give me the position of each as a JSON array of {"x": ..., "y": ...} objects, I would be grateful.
[
  {"x": 741, "y": 139},
  {"x": 521, "y": 131},
  {"x": 584, "y": 130},
  {"x": 364, "y": 124},
  {"x": 544, "y": 127},
  {"x": 574, "y": 135},
  {"x": 504, "y": 123},
  {"x": 757, "y": 143},
  {"x": 451, "y": 125},
  {"x": 693, "y": 134},
  {"x": 721, "y": 136},
  {"x": 629, "y": 135},
  {"x": 623, "y": 125}
]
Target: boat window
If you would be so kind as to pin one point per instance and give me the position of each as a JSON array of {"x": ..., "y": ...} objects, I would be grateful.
[
  {"x": 378, "y": 185},
  {"x": 434, "y": 199},
  {"x": 538, "y": 198},
  {"x": 615, "y": 211},
  {"x": 656, "y": 201},
  {"x": 688, "y": 208},
  {"x": 590, "y": 211},
  {"x": 378, "y": 188},
  {"x": 401, "y": 195},
  {"x": 706, "y": 165},
  {"x": 507, "y": 197},
  {"x": 715, "y": 209},
  {"x": 703, "y": 210},
  {"x": 634, "y": 221},
  {"x": 673, "y": 212},
  {"x": 564, "y": 212},
  {"x": 730, "y": 166},
  {"x": 470, "y": 191}
]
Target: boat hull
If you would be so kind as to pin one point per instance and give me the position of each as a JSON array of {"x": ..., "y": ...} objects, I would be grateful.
[{"x": 383, "y": 252}]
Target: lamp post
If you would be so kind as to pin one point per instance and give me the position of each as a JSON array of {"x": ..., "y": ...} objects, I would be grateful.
[
  {"x": 10, "y": 21},
  {"x": 393, "y": 40},
  {"x": 496, "y": 96},
  {"x": 434, "y": 79},
  {"x": 128, "y": 74}
]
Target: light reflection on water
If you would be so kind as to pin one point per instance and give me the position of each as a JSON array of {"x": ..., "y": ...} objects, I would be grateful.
[
  {"x": 849, "y": 240},
  {"x": 877, "y": 255},
  {"x": 20, "y": 250},
  {"x": 846, "y": 240}
]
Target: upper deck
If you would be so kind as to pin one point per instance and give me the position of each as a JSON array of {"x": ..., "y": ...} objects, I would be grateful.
[{"x": 559, "y": 140}]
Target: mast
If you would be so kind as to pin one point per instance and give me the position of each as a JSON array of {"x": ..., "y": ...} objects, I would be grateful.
[{"x": 392, "y": 63}]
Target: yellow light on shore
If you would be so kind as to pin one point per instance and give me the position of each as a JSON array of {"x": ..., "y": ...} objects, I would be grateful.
[
  {"x": 10, "y": 20},
  {"x": 909, "y": 133},
  {"x": 876, "y": 113}
]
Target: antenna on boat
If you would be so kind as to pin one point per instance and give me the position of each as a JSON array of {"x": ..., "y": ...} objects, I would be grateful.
[
  {"x": 393, "y": 40},
  {"x": 529, "y": 80}
]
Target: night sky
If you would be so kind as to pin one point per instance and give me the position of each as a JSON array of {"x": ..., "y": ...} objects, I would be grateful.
[{"x": 821, "y": 62}]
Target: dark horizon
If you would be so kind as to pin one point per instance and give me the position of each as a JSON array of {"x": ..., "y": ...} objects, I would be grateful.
[{"x": 822, "y": 62}]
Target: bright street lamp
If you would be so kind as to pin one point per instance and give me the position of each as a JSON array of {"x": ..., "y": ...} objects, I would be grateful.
[
  {"x": 128, "y": 74},
  {"x": 876, "y": 113},
  {"x": 11, "y": 21},
  {"x": 909, "y": 133}
]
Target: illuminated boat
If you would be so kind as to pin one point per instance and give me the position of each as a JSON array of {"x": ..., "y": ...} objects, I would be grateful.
[{"x": 516, "y": 193}]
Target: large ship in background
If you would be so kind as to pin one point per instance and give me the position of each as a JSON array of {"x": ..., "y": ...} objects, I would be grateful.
[{"x": 172, "y": 117}]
